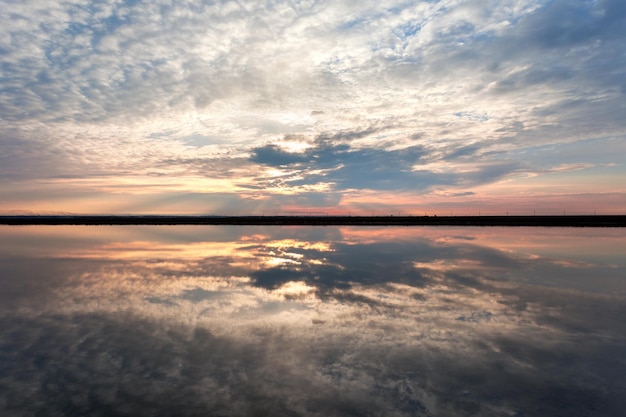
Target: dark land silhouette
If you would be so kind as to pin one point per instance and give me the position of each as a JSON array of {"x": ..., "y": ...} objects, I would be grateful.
[{"x": 547, "y": 221}]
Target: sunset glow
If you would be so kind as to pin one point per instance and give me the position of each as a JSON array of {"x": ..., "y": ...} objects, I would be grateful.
[{"x": 309, "y": 107}]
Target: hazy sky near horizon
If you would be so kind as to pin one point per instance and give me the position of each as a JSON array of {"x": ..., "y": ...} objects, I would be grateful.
[{"x": 263, "y": 107}]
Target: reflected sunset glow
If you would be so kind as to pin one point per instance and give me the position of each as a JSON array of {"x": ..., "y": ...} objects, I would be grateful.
[{"x": 307, "y": 315}]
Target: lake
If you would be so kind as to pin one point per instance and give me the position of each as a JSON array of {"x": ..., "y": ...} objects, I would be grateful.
[{"x": 312, "y": 321}]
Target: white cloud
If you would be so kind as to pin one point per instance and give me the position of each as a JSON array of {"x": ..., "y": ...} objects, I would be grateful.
[{"x": 93, "y": 79}]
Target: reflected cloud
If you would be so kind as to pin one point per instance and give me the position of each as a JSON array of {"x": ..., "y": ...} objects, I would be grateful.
[{"x": 313, "y": 321}]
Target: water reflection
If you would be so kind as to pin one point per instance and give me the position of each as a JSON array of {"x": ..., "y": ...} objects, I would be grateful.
[{"x": 312, "y": 321}]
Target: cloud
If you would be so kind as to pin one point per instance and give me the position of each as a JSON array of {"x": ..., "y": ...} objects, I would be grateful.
[
  {"x": 274, "y": 156},
  {"x": 347, "y": 167},
  {"x": 123, "y": 88},
  {"x": 371, "y": 168},
  {"x": 207, "y": 373},
  {"x": 564, "y": 24},
  {"x": 181, "y": 324},
  {"x": 198, "y": 294}
]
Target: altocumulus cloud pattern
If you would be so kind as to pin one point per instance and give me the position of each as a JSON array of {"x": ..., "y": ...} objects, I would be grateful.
[{"x": 298, "y": 106}]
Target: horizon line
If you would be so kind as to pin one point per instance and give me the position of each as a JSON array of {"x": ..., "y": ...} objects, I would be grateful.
[{"x": 561, "y": 220}]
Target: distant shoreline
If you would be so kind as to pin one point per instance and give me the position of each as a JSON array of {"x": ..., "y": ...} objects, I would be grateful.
[{"x": 513, "y": 221}]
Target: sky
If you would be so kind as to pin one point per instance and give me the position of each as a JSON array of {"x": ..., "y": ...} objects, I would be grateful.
[{"x": 313, "y": 107}]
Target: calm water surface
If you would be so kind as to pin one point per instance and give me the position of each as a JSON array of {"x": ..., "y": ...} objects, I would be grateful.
[{"x": 312, "y": 321}]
